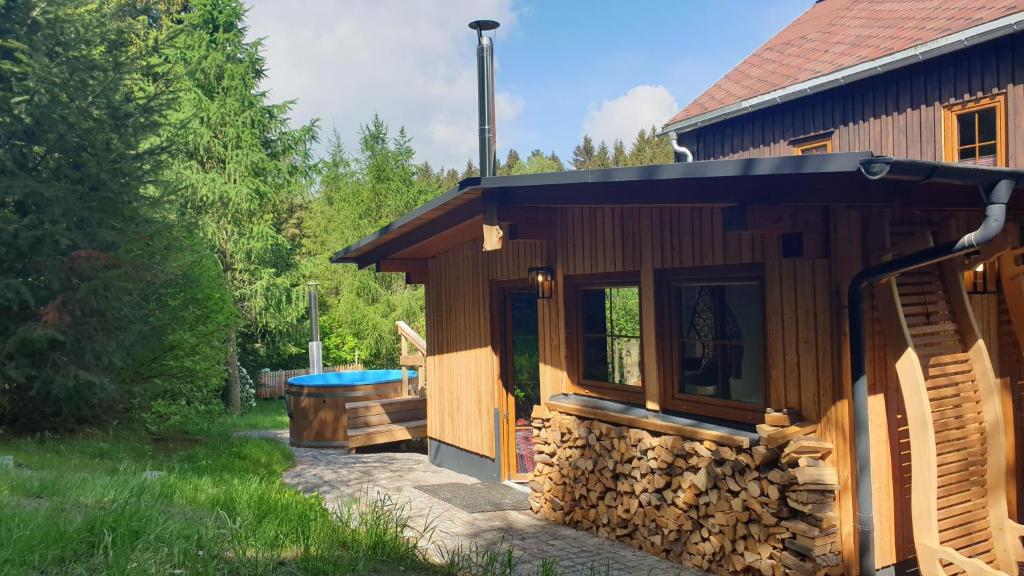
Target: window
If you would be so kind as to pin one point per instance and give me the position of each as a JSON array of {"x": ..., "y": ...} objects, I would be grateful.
[
  {"x": 608, "y": 336},
  {"x": 816, "y": 145},
  {"x": 974, "y": 132},
  {"x": 716, "y": 335}
]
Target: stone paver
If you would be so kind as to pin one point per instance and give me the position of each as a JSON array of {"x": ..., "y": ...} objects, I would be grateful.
[{"x": 440, "y": 528}]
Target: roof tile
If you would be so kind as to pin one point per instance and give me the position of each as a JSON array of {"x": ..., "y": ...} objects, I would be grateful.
[{"x": 837, "y": 34}]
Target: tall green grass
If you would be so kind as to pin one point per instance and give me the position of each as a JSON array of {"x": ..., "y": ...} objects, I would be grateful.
[{"x": 84, "y": 505}]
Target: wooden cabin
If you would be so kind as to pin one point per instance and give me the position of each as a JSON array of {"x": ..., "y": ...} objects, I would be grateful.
[
  {"x": 663, "y": 352},
  {"x": 685, "y": 300},
  {"x": 905, "y": 79}
]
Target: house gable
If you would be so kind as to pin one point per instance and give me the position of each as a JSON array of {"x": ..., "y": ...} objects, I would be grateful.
[{"x": 838, "y": 41}]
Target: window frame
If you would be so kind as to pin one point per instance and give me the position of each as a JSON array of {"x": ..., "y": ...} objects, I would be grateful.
[
  {"x": 950, "y": 130},
  {"x": 574, "y": 322},
  {"x": 801, "y": 146},
  {"x": 669, "y": 335}
]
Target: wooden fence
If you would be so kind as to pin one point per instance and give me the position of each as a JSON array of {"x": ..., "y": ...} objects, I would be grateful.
[{"x": 272, "y": 384}]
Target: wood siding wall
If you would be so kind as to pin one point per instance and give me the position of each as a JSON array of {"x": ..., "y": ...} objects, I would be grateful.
[
  {"x": 898, "y": 113},
  {"x": 807, "y": 365},
  {"x": 462, "y": 366},
  {"x": 801, "y": 313}
]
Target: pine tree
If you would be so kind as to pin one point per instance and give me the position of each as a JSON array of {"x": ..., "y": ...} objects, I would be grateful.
[
  {"x": 358, "y": 195},
  {"x": 619, "y": 156},
  {"x": 107, "y": 307},
  {"x": 602, "y": 158},
  {"x": 583, "y": 155},
  {"x": 649, "y": 149},
  {"x": 512, "y": 161},
  {"x": 557, "y": 162},
  {"x": 238, "y": 166}
]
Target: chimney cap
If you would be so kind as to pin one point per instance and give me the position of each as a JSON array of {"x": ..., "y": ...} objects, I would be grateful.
[{"x": 484, "y": 25}]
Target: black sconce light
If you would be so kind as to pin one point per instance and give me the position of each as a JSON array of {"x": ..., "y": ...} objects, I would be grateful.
[{"x": 542, "y": 279}]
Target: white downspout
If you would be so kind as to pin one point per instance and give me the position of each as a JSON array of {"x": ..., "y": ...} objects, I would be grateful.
[{"x": 682, "y": 153}]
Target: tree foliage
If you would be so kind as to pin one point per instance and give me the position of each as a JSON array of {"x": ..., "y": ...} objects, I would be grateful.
[
  {"x": 95, "y": 281},
  {"x": 159, "y": 214},
  {"x": 238, "y": 169},
  {"x": 358, "y": 195},
  {"x": 647, "y": 149}
]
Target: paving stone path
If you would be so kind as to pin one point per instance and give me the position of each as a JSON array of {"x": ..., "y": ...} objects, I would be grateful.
[{"x": 341, "y": 477}]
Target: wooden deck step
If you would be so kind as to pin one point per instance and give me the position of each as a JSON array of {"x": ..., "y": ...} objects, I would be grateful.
[
  {"x": 388, "y": 411},
  {"x": 370, "y": 407},
  {"x": 371, "y": 435}
]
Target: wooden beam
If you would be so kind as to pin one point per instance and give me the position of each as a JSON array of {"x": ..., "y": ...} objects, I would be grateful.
[
  {"x": 493, "y": 233},
  {"x": 648, "y": 318},
  {"x": 412, "y": 360},
  {"x": 424, "y": 232},
  {"x": 650, "y": 423}
]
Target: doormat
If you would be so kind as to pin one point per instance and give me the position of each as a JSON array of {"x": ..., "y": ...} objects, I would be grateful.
[{"x": 480, "y": 497}]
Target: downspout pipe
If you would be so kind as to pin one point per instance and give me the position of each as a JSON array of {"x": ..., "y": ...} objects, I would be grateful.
[
  {"x": 995, "y": 195},
  {"x": 680, "y": 153}
]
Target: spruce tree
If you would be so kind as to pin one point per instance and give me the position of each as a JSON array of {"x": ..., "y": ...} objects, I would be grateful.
[
  {"x": 238, "y": 167},
  {"x": 584, "y": 153},
  {"x": 649, "y": 149},
  {"x": 619, "y": 156},
  {"x": 602, "y": 158},
  {"x": 106, "y": 306},
  {"x": 358, "y": 195},
  {"x": 512, "y": 161}
]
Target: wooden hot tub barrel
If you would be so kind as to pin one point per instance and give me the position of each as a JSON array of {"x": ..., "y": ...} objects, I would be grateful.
[{"x": 316, "y": 403}]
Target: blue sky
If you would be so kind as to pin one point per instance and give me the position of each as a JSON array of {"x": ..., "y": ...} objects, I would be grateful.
[{"x": 563, "y": 67}]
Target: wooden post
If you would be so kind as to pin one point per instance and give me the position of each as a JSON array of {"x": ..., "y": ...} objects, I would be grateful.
[
  {"x": 405, "y": 369},
  {"x": 493, "y": 234},
  {"x": 648, "y": 319}
]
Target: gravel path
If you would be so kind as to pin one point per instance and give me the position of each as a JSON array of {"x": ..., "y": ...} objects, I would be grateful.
[{"x": 340, "y": 477}]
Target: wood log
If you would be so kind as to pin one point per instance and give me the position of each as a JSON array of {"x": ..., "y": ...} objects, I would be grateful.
[
  {"x": 774, "y": 437},
  {"x": 767, "y": 509},
  {"x": 781, "y": 417}
]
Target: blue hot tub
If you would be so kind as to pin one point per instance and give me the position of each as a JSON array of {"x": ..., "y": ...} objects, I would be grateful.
[{"x": 317, "y": 416}]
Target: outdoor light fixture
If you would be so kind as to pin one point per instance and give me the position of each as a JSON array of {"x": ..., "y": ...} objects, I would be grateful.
[{"x": 542, "y": 279}]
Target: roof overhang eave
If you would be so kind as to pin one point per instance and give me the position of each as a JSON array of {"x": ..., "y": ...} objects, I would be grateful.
[
  {"x": 976, "y": 35},
  {"x": 576, "y": 188}
]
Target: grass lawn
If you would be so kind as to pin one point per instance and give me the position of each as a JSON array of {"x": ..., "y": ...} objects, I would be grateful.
[{"x": 81, "y": 505}]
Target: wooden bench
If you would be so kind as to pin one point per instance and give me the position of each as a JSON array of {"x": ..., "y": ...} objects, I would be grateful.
[
  {"x": 955, "y": 420},
  {"x": 391, "y": 420}
]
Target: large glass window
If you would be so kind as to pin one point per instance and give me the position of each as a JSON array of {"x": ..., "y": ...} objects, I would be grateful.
[
  {"x": 609, "y": 322},
  {"x": 722, "y": 341},
  {"x": 717, "y": 336},
  {"x": 974, "y": 132}
]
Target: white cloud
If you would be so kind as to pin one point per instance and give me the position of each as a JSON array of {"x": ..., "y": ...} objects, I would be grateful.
[
  {"x": 621, "y": 118},
  {"x": 413, "y": 62}
]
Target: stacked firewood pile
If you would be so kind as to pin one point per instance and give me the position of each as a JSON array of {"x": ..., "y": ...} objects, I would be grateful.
[{"x": 768, "y": 509}]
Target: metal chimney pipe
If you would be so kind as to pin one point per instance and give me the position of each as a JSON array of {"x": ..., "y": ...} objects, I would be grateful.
[
  {"x": 485, "y": 94},
  {"x": 316, "y": 363}
]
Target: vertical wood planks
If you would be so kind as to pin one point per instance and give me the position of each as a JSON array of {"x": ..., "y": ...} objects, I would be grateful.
[{"x": 896, "y": 113}]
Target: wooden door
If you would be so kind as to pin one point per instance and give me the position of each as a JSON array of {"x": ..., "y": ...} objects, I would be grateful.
[{"x": 520, "y": 378}]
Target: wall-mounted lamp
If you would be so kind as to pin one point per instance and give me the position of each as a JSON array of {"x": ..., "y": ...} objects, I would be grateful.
[{"x": 542, "y": 279}]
